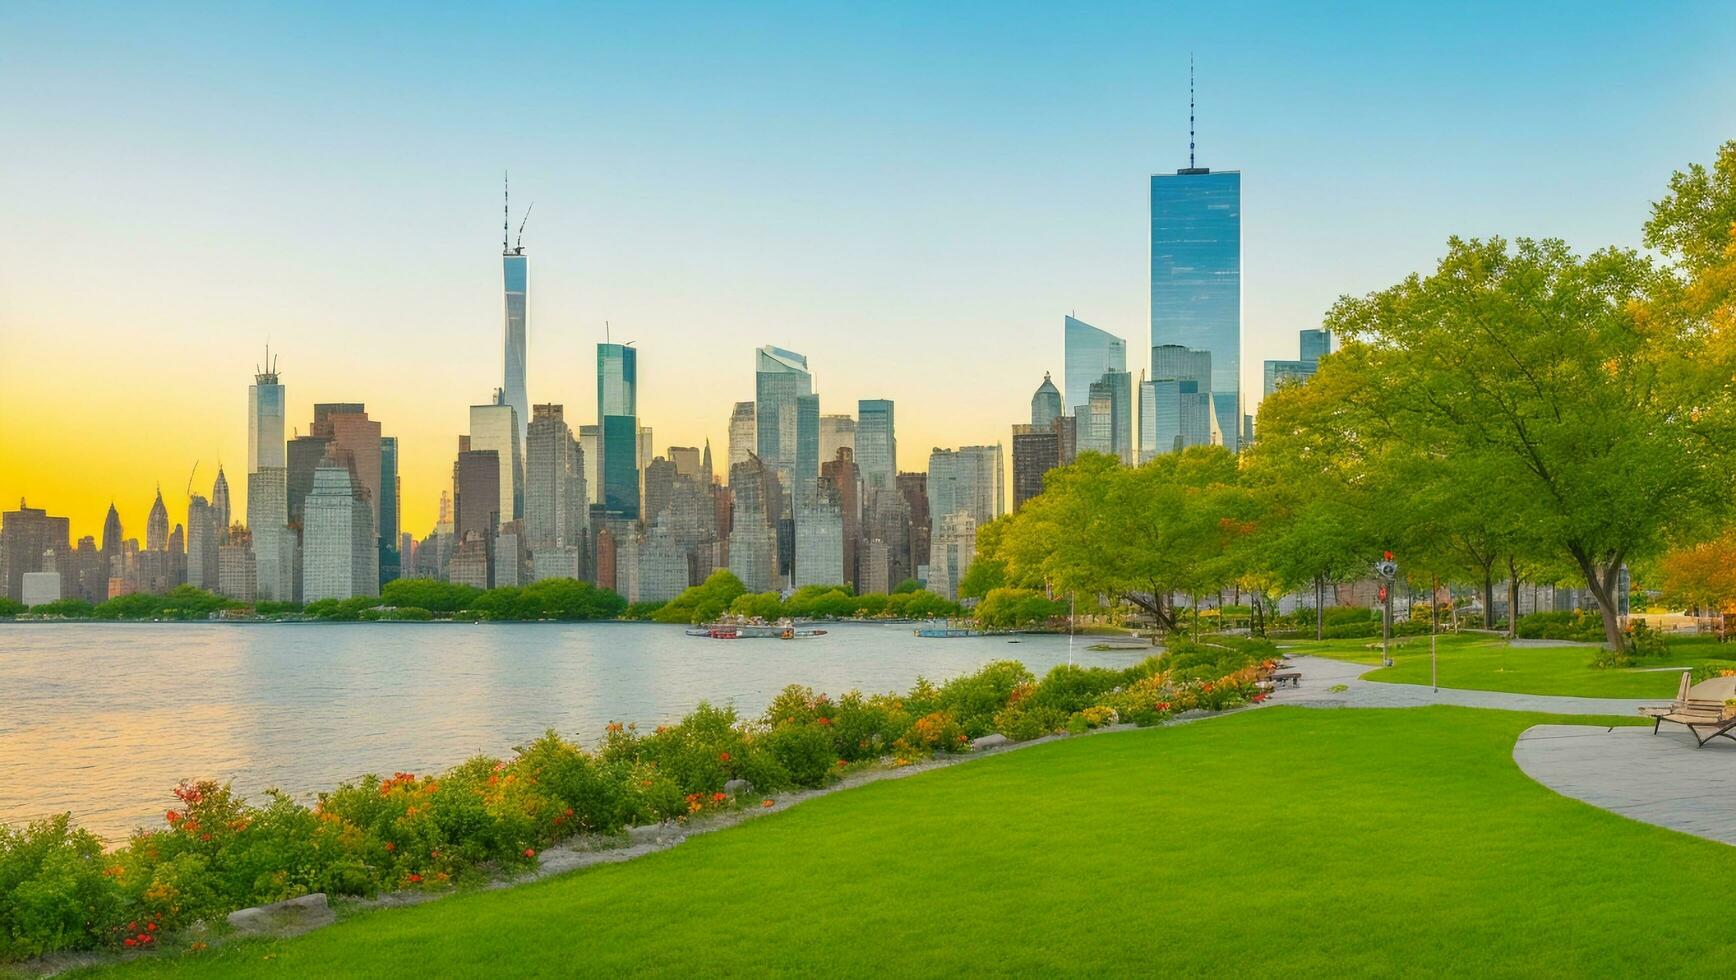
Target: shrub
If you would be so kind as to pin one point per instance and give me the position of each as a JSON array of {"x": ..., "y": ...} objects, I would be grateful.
[
  {"x": 1070, "y": 688},
  {"x": 804, "y": 751},
  {"x": 54, "y": 892},
  {"x": 973, "y": 699}
]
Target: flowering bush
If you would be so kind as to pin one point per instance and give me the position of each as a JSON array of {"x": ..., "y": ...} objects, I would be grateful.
[{"x": 216, "y": 852}]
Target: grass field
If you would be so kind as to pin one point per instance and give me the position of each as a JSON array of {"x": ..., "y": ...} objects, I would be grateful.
[
  {"x": 1284, "y": 841},
  {"x": 1486, "y": 663}
]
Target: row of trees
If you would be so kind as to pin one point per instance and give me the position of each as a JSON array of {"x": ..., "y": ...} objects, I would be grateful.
[
  {"x": 1523, "y": 412},
  {"x": 723, "y": 593}
]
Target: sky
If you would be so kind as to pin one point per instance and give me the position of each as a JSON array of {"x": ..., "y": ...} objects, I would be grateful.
[{"x": 913, "y": 195}]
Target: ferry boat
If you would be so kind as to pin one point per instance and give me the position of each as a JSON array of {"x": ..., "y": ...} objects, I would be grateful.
[{"x": 755, "y": 631}]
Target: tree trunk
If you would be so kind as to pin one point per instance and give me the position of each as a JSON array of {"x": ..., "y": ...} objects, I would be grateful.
[
  {"x": 1512, "y": 599},
  {"x": 1601, "y": 578},
  {"x": 1319, "y": 608},
  {"x": 1489, "y": 596}
]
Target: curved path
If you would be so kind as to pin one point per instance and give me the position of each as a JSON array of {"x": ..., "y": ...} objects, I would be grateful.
[
  {"x": 1659, "y": 779},
  {"x": 1319, "y": 674}
]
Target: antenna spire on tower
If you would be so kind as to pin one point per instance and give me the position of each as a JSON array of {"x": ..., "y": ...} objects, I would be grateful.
[
  {"x": 505, "y": 210},
  {"x": 1190, "y": 111}
]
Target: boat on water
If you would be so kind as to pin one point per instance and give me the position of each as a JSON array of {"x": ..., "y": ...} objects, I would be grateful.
[
  {"x": 947, "y": 632},
  {"x": 784, "y": 630}
]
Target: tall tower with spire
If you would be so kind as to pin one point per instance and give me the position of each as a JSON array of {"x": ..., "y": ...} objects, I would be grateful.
[
  {"x": 157, "y": 525},
  {"x": 515, "y": 271},
  {"x": 220, "y": 502},
  {"x": 1196, "y": 287}
]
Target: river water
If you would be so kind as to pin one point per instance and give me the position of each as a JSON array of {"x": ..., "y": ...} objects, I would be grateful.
[{"x": 103, "y": 720}]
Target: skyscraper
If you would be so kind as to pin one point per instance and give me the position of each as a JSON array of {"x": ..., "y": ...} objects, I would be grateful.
[
  {"x": 495, "y": 428},
  {"x": 1196, "y": 280},
  {"x": 391, "y": 557},
  {"x": 741, "y": 433},
  {"x": 515, "y": 272},
  {"x": 876, "y": 443},
  {"x": 781, "y": 380},
  {"x": 265, "y": 414},
  {"x": 752, "y": 538},
  {"x": 157, "y": 525},
  {"x": 618, "y": 422},
  {"x": 1315, "y": 344},
  {"x": 1089, "y": 354},
  {"x": 554, "y": 487},
  {"x": 339, "y": 557},
  {"x": 356, "y": 443},
  {"x": 966, "y": 480},
  {"x": 1036, "y": 451},
  {"x": 836, "y": 432},
  {"x": 1045, "y": 403},
  {"x": 202, "y": 543},
  {"x": 476, "y": 480},
  {"x": 220, "y": 514},
  {"x": 1175, "y": 409}
]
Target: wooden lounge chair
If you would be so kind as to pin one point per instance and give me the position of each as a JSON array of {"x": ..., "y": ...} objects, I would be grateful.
[
  {"x": 1700, "y": 710},
  {"x": 1681, "y": 700}
]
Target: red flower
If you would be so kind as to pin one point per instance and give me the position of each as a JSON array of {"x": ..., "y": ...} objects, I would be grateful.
[
  {"x": 414, "y": 878},
  {"x": 390, "y": 847},
  {"x": 719, "y": 797},
  {"x": 147, "y": 938},
  {"x": 130, "y": 941},
  {"x": 723, "y": 757},
  {"x": 822, "y": 720},
  {"x": 151, "y": 926},
  {"x": 173, "y": 817},
  {"x": 529, "y": 853},
  {"x": 842, "y": 763}
]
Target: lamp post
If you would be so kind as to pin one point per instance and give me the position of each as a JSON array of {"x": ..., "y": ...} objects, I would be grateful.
[{"x": 1387, "y": 569}]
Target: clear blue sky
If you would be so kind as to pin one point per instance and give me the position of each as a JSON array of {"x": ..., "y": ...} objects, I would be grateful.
[{"x": 898, "y": 190}]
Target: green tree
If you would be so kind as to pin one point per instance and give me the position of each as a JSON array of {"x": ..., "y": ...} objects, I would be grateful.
[
  {"x": 430, "y": 594},
  {"x": 1139, "y": 534},
  {"x": 1553, "y": 384},
  {"x": 704, "y": 602}
]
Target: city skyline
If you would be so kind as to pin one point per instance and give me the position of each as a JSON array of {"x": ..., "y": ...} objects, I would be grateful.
[{"x": 133, "y": 320}]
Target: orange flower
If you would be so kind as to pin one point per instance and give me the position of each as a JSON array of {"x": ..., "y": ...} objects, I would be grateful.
[
  {"x": 529, "y": 853},
  {"x": 768, "y": 802},
  {"x": 390, "y": 847},
  {"x": 842, "y": 763},
  {"x": 723, "y": 757},
  {"x": 413, "y": 878},
  {"x": 719, "y": 797}
]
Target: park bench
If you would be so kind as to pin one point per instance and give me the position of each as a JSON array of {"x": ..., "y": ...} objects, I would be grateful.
[
  {"x": 1700, "y": 709},
  {"x": 1290, "y": 677}
]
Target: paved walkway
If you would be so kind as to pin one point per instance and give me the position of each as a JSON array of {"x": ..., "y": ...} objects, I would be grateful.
[
  {"x": 1660, "y": 779},
  {"x": 1319, "y": 675}
]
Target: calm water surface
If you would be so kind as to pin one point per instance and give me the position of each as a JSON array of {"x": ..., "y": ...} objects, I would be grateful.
[{"x": 104, "y": 719}]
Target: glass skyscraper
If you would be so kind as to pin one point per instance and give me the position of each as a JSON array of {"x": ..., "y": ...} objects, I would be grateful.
[
  {"x": 781, "y": 417},
  {"x": 514, "y": 267},
  {"x": 876, "y": 443},
  {"x": 618, "y": 420},
  {"x": 1196, "y": 280},
  {"x": 265, "y": 447},
  {"x": 1088, "y": 354}
]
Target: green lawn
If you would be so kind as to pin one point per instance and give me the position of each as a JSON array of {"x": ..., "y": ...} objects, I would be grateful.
[
  {"x": 1485, "y": 663},
  {"x": 1284, "y": 841}
]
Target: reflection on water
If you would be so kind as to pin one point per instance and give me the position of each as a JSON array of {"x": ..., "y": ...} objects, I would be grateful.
[{"x": 104, "y": 719}]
